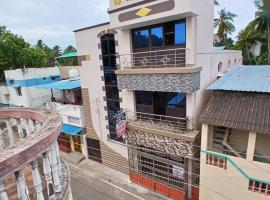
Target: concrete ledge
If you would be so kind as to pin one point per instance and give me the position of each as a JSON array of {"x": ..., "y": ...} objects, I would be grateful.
[
  {"x": 175, "y": 70},
  {"x": 188, "y": 136}
]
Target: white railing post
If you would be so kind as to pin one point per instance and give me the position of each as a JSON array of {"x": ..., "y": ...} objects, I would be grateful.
[
  {"x": 2, "y": 144},
  {"x": 3, "y": 192},
  {"x": 58, "y": 158},
  {"x": 53, "y": 162},
  {"x": 48, "y": 175},
  {"x": 20, "y": 132},
  {"x": 23, "y": 192},
  {"x": 37, "y": 180},
  {"x": 10, "y": 133}
]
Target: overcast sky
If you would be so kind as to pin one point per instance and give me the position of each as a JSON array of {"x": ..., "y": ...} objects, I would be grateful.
[{"x": 54, "y": 20}]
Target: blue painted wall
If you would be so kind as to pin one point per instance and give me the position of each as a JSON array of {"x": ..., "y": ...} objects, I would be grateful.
[{"x": 33, "y": 82}]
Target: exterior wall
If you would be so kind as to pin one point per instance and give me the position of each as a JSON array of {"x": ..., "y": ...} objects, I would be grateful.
[
  {"x": 111, "y": 156},
  {"x": 232, "y": 182},
  {"x": 185, "y": 83},
  {"x": 64, "y": 71},
  {"x": 67, "y": 111},
  {"x": 25, "y": 78}
]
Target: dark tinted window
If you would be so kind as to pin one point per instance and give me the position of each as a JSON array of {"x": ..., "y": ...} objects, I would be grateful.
[
  {"x": 157, "y": 36},
  {"x": 110, "y": 78},
  {"x": 180, "y": 33},
  {"x": 112, "y": 92},
  {"x": 176, "y": 100},
  {"x": 141, "y": 38},
  {"x": 169, "y": 33}
]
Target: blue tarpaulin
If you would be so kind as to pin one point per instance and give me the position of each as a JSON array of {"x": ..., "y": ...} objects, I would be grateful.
[
  {"x": 71, "y": 130},
  {"x": 61, "y": 85}
]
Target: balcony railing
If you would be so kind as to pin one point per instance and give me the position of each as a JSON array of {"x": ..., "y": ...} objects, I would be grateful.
[
  {"x": 160, "y": 122},
  {"x": 168, "y": 58},
  {"x": 30, "y": 163}
]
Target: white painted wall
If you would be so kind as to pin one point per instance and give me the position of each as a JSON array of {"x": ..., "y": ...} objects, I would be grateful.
[{"x": 87, "y": 44}]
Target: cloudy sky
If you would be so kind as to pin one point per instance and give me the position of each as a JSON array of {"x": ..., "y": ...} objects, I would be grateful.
[{"x": 54, "y": 20}]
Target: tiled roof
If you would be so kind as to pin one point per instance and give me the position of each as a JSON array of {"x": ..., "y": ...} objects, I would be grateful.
[
  {"x": 238, "y": 110},
  {"x": 245, "y": 79}
]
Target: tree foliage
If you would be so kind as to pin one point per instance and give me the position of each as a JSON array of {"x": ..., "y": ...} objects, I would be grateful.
[
  {"x": 224, "y": 24},
  {"x": 15, "y": 53}
]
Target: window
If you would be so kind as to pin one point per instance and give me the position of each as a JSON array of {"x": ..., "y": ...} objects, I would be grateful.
[
  {"x": 180, "y": 33},
  {"x": 157, "y": 36},
  {"x": 220, "y": 65},
  {"x": 110, "y": 78},
  {"x": 169, "y": 34},
  {"x": 73, "y": 120},
  {"x": 166, "y": 34},
  {"x": 112, "y": 92},
  {"x": 141, "y": 38},
  {"x": 176, "y": 100},
  {"x": 18, "y": 91}
]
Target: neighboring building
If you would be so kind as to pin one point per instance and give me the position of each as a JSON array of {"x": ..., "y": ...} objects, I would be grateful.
[
  {"x": 68, "y": 102},
  {"x": 151, "y": 64},
  {"x": 235, "y": 153},
  {"x": 20, "y": 88}
]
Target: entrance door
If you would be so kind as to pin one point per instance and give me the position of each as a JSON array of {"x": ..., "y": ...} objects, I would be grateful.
[
  {"x": 77, "y": 143},
  {"x": 159, "y": 103},
  {"x": 94, "y": 150}
]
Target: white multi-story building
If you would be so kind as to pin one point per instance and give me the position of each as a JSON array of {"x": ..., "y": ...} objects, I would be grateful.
[
  {"x": 151, "y": 64},
  {"x": 20, "y": 85}
]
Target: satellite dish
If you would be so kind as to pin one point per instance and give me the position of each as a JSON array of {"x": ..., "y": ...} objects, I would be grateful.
[{"x": 74, "y": 74}]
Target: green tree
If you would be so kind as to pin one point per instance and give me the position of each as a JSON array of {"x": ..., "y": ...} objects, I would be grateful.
[
  {"x": 262, "y": 20},
  {"x": 70, "y": 49},
  {"x": 224, "y": 25}
]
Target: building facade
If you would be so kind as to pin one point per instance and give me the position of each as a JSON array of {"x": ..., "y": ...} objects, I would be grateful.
[
  {"x": 20, "y": 90},
  {"x": 150, "y": 66},
  {"x": 235, "y": 156}
]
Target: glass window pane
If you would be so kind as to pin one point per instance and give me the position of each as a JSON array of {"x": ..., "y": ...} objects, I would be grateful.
[
  {"x": 180, "y": 33},
  {"x": 141, "y": 38},
  {"x": 169, "y": 33},
  {"x": 113, "y": 106},
  {"x": 110, "y": 78},
  {"x": 112, "y": 92},
  {"x": 157, "y": 36},
  {"x": 147, "y": 98}
]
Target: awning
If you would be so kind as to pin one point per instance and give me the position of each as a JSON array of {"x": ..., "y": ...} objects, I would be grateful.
[
  {"x": 69, "y": 55},
  {"x": 61, "y": 85},
  {"x": 71, "y": 130}
]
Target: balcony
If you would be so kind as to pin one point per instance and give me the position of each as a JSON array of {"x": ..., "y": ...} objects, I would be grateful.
[
  {"x": 30, "y": 163},
  {"x": 165, "y": 133},
  {"x": 167, "y": 70}
]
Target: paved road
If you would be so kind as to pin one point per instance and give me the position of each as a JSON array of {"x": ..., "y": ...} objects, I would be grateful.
[{"x": 96, "y": 182}]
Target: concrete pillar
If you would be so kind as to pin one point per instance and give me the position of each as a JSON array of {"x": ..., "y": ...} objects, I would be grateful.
[
  {"x": 37, "y": 180},
  {"x": 21, "y": 133},
  {"x": 251, "y": 146},
  {"x": 53, "y": 162},
  {"x": 48, "y": 175},
  {"x": 72, "y": 143},
  {"x": 84, "y": 146},
  {"x": 2, "y": 144},
  {"x": 10, "y": 133},
  {"x": 23, "y": 192},
  {"x": 205, "y": 137},
  {"x": 3, "y": 192},
  {"x": 57, "y": 153}
]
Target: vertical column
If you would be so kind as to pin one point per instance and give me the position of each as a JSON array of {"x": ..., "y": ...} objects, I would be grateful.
[
  {"x": 20, "y": 132},
  {"x": 58, "y": 158},
  {"x": 48, "y": 175},
  {"x": 251, "y": 146},
  {"x": 3, "y": 192},
  {"x": 31, "y": 125},
  {"x": 2, "y": 144},
  {"x": 37, "y": 180},
  {"x": 53, "y": 161},
  {"x": 23, "y": 192},
  {"x": 190, "y": 178},
  {"x": 27, "y": 129},
  {"x": 72, "y": 143},
  {"x": 10, "y": 133}
]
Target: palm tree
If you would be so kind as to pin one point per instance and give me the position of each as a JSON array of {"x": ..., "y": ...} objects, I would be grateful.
[
  {"x": 224, "y": 24},
  {"x": 262, "y": 20}
]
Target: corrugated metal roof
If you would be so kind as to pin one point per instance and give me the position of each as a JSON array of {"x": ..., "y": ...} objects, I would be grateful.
[
  {"x": 245, "y": 79},
  {"x": 61, "y": 85},
  {"x": 68, "y": 55},
  {"x": 71, "y": 130},
  {"x": 238, "y": 110}
]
